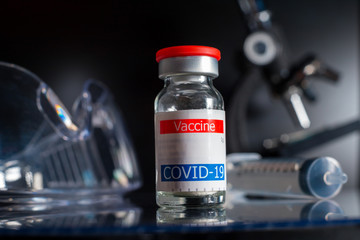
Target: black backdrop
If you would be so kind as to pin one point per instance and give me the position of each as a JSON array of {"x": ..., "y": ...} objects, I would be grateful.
[{"x": 67, "y": 42}]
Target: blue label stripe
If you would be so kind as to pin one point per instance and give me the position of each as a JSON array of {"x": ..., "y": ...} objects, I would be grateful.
[{"x": 192, "y": 172}]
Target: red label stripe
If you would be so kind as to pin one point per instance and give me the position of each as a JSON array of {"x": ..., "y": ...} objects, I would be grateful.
[{"x": 191, "y": 126}]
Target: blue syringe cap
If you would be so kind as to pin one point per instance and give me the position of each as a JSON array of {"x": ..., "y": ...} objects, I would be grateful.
[{"x": 324, "y": 177}]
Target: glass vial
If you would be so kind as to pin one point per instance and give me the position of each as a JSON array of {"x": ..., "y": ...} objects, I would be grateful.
[{"x": 189, "y": 129}]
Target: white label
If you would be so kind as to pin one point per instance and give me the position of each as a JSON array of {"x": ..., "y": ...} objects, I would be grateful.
[{"x": 190, "y": 151}]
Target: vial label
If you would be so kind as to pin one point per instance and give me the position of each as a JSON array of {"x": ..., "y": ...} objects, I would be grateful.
[{"x": 190, "y": 151}]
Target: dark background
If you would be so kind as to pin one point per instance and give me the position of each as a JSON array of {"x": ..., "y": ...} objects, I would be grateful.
[{"x": 66, "y": 43}]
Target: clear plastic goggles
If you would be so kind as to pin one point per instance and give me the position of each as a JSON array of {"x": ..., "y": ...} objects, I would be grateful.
[{"x": 46, "y": 151}]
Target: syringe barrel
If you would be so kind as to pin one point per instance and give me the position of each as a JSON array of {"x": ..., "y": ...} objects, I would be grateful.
[{"x": 285, "y": 177}]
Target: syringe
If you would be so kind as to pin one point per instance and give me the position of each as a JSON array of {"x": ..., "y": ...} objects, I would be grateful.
[{"x": 285, "y": 177}]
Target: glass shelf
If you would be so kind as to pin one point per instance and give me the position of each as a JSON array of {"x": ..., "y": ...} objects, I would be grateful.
[{"x": 137, "y": 213}]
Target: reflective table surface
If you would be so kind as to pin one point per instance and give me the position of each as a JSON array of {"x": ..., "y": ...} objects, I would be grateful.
[{"x": 138, "y": 214}]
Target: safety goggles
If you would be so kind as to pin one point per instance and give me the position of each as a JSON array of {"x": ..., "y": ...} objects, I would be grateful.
[{"x": 47, "y": 151}]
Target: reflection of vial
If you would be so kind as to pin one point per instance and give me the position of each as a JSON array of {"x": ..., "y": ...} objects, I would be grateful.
[
  {"x": 189, "y": 128},
  {"x": 194, "y": 217}
]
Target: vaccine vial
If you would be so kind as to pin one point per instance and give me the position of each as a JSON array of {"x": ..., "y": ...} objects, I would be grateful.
[{"x": 189, "y": 129}]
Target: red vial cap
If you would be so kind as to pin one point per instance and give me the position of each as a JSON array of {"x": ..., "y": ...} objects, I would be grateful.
[{"x": 188, "y": 50}]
